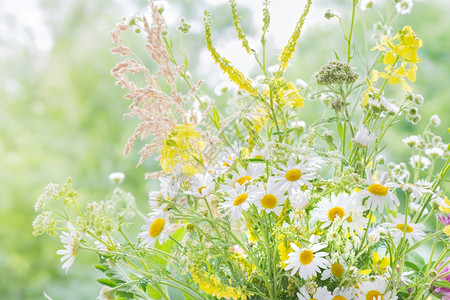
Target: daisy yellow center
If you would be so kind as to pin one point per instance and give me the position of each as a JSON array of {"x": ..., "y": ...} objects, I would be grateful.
[
  {"x": 401, "y": 227},
  {"x": 314, "y": 299},
  {"x": 293, "y": 175},
  {"x": 240, "y": 199},
  {"x": 339, "y": 298},
  {"x": 242, "y": 180},
  {"x": 156, "y": 227},
  {"x": 371, "y": 295},
  {"x": 337, "y": 269},
  {"x": 225, "y": 164},
  {"x": 306, "y": 257},
  {"x": 259, "y": 157},
  {"x": 349, "y": 219},
  {"x": 269, "y": 201},
  {"x": 200, "y": 189},
  {"x": 378, "y": 189},
  {"x": 336, "y": 212}
]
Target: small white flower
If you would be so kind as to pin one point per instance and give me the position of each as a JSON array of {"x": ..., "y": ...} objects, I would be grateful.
[
  {"x": 321, "y": 293},
  {"x": 375, "y": 235},
  {"x": 50, "y": 193},
  {"x": 273, "y": 69},
  {"x": 154, "y": 230},
  {"x": 72, "y": 246},
  {"x": 116, "y": 177},
  {"x": 363, "y": 137},
  {"x": 377, "y": 194},
  {"x": 375, "y": 290},
  {"x": 404, "y": 6},
  {"x": 412, "y": 141},
  {"x": 415, "y": 190},
  {"x": 228, "y": 157},
  {"x": 301, "y": 83},
  {"x": 435, "y": 120},
  {"x": 107, "y": 244},
  {"x": 307, "y": 261},
  {"x": 169, "y": 187},
  {"x": 298, "y": 124},
  {"x": 419, "y": 162},
  {"x": 365, "y": 4},
  {"x": 434, "y": 152},
  {"x": 413, "y": 231}
]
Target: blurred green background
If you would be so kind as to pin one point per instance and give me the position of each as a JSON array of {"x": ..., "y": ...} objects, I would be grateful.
[{"x": 61, "y": 115}]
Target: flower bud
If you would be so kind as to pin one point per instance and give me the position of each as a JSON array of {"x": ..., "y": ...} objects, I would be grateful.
[
  {"x": 435, "y": 121},
  {"x": 413, "y": 111},
  {"x": 418, "y": 99}
]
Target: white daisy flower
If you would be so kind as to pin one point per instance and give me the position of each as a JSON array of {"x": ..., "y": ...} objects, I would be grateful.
[
  {"x": 154, "y": 230},
  {"x": 321, "y": 293},
  {"x": 419, "y": 162},
  {"x": 244, "y": 176},
  {"x": 356, "y": 219},
  {"x": 415, "y": 190},
  {"x": 375, "y": 290},
  {"x": 229, "y": 156},
  {"x": 298, "y": 199},
  {"x": 107, "y": 244},
  {"x": 328, "y": 211},
  {"x": 343, "y": 294},
  {"x": 169, "y": 187},
  {"x": 404, "y": 6},
  {"x": 363, "y": 137},
  {"x": 307, "y": 261},
  {"x": 202, "y": 185},
  {"x": 72, "y": 246},
  {"x": 258, "y": 154},
  {"x": 377, "y": 194},
  {"x": 335, "y": 271},
  {"x": 270, "y": 198},
  {"x": 365, "y": 4},
  {"x": 416, "y": 208},
  {"x": 413, "y": 231},
  {"x": 294, "y": 175},
  {"x": 239, "y": 199}
]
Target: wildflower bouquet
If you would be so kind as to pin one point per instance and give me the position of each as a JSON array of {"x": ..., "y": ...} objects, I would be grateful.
[{"x": 255, "y": 204}]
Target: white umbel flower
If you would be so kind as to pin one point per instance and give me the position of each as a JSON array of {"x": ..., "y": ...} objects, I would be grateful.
[
  {"x": 414, "y": 232},
  {"x": 307, "y": 261},
  {"x": 321, "y": 293},
  {"x": 72, "y": 245},
  {"x": 377, "y": 194},
  {"x": 363, "y": 137},
  {"x": 375, "y": 290},
  {"x": 154, "y": 230}
]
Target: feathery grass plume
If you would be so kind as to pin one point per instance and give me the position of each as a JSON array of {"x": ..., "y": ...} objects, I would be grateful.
[
  {"x": 234, "y": 74},
  {"x": 241, "y": 34},
  {"x": 156, "y": 109},
  {"x": 289, "y": 49}
]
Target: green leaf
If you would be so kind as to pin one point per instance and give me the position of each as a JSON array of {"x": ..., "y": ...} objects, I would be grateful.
[
  {"x": 442, "y": 283},
  {"x": 108, "y": 282},
  {"x": 216, "y": 118},
  {"x": 102, "y": 268},
  {"x": 154, "y": 294},
  {"x": 256, "y": 160},
  {"x": 336, "y": 55}
]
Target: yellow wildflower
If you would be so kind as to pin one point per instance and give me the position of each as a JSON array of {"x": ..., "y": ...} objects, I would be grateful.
[
  {"x": 444, "y": 209},
  {"x": 182, "y": 146}
]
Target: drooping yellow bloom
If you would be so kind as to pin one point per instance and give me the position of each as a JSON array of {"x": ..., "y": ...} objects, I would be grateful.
[
  {"x": 183, "y": 146},
  {"x": 445, "y": 209}
]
